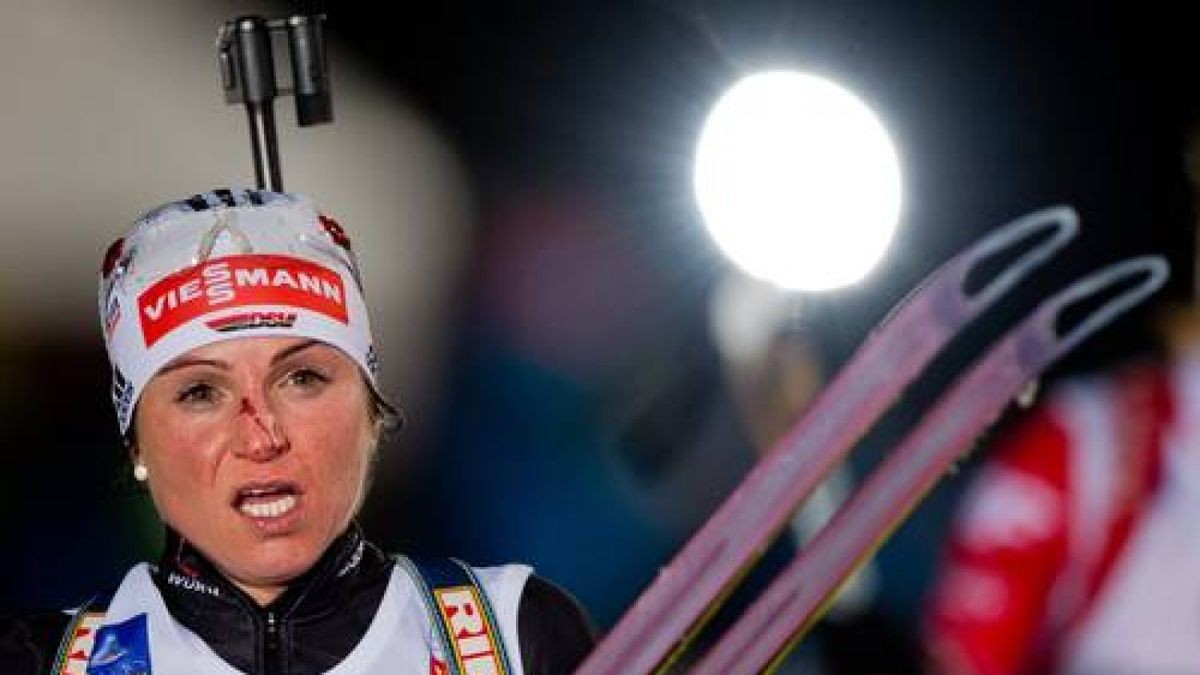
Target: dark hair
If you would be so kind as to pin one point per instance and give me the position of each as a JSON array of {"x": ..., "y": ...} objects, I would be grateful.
[{"x": 388, "y": 417}]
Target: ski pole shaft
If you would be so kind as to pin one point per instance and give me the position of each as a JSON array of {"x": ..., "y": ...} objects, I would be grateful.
[{"x": 255, "y": 74}]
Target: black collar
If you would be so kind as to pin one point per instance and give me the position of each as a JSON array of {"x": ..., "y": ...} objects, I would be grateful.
[{"x": 310, "y": 627}]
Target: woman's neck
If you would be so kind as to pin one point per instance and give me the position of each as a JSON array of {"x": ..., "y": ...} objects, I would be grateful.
[{"x": 262, "y": 595}]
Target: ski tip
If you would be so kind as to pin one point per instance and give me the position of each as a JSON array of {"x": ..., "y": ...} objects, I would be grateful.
[
  {"x": 1154, "y": 272},
  {"x": 1050, "y": 229}
]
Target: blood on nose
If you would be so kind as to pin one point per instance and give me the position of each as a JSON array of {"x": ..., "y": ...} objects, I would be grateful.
[{"x": 249, "y": 409}]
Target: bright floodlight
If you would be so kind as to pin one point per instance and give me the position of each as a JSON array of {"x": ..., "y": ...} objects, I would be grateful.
[{"x": 798, "y": 181}]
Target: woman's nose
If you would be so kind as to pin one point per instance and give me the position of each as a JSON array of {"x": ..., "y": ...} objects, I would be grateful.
[{"x": 262, "y": 437}]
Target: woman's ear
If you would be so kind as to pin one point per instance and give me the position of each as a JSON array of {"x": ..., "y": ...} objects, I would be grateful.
[{"x": 140, "y": 472}]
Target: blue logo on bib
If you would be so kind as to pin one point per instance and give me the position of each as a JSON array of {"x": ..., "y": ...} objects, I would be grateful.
[{"x": 121, "y": 649}]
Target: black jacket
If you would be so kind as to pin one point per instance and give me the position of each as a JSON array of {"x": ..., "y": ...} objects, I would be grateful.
[{"x": 312, "y": 626}]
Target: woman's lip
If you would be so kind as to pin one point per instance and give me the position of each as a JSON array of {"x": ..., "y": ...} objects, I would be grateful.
[
  {"x": 268, "y": 506},
  {"x": 264, "y": 491},
  {"x": 273, "y": 517}
]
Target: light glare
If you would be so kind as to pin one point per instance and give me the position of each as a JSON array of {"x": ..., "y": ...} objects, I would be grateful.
[{"x": 797, "y": 181}]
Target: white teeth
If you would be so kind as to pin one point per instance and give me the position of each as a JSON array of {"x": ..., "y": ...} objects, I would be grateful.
[{"x": 272, "y": 509}]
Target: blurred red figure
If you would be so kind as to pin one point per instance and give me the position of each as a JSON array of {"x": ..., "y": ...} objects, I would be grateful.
[{"x": 1077, "y": 550}]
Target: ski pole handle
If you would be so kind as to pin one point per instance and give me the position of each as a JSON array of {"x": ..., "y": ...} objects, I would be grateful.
[
  {"x": 310, "y": 73},
  {"x": 247, "y": 69}
]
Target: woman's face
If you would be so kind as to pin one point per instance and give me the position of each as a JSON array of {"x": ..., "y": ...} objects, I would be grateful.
[{"x": 257, "y": 450}]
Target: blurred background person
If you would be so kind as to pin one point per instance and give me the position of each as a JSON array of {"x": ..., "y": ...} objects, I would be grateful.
[
  {"x": 1075, "y": 550},
  {"x": 772, "y": 357}
]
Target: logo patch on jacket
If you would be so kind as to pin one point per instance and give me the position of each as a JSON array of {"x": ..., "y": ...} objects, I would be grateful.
[{"x": 121, "y": 649}]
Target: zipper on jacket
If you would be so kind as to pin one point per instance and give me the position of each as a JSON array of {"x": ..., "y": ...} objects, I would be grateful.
[{"x": 271, "y": 664}]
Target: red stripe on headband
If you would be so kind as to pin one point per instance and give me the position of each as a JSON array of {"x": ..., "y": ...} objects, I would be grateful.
[{"x": 239, "y": 281}]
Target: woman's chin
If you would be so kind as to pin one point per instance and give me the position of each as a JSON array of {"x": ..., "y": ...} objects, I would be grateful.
[
  {"x": 275, "y": 547},
  {"x": 273, "y": 562}
]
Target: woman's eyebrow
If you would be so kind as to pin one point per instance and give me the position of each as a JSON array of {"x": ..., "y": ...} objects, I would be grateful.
[
  {"x": 186, "y": 362},
  {"x": 289, "y": 351}
]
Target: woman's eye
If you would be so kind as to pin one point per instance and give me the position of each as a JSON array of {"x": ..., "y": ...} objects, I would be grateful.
[
  {"x": 306, "y": 378},
  {"x": 198, "y": 393}
]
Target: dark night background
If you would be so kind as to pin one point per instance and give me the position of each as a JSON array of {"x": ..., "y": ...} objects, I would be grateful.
[{"x": 578, "y": 373}]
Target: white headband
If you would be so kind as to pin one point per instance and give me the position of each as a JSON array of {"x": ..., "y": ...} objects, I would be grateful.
[{"x": 226, "y": 264}]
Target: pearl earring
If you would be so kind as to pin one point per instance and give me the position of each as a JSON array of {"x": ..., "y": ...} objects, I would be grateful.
[{"x": 140, "y": 472}]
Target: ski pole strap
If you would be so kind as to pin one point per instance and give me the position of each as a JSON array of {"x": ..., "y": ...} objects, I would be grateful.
[{"x": 460, "y": 616}]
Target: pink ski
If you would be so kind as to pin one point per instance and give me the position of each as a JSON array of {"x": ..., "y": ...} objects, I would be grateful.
[
  {"x": 892, "y": 357},
  {"x": 795, "y": 598}
]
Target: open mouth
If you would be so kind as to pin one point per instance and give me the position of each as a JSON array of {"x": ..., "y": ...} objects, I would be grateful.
[{"x": 266, "y": 500}]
